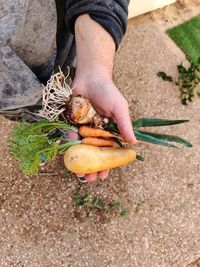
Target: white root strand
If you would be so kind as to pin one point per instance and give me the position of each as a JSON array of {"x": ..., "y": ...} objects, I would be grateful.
[{"x": 56, "y": 94}]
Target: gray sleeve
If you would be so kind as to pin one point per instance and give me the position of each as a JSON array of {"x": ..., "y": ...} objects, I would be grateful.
[
  {"x": 110, "y": 14},
  {"x": 19, "y": 86}
]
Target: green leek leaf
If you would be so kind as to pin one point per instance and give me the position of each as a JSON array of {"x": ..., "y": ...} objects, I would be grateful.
[
  {"x": 151, "y": 139},
  {"x": 138, "y": 157},
  {"x": 112, "y": 126},
  {"x": 147, "y": 122},
  {"x": 166, "y": 137}
]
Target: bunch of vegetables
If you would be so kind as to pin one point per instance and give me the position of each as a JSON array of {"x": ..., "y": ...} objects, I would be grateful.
[{"x": 100, "y": 147}]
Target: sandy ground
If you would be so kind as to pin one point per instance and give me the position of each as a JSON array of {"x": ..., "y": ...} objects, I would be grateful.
[{"x": 42, "y": 227}]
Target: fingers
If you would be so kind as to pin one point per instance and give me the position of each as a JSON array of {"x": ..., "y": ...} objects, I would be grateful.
[
  {"x": 80, "y": 175},
  {"x": 103, "y": 175},
  {"x": 93, "y": 176},
  {"x": 88, "y": 177},
  {"x": 122, "y": 117},
  {"x": 72, "y": 135}
]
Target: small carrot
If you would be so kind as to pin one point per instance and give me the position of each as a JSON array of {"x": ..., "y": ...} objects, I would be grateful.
[
  {"x": 86, "y": 131},
  {"x": 95, "y": 141}
]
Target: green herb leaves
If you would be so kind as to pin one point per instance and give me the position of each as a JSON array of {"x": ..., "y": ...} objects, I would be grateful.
[
  {"x": 91, "y": 203},
  {"x": 30, "y": 144},
  {"x": 164, "y": 76},
  {"x": 188, "y": 82}
]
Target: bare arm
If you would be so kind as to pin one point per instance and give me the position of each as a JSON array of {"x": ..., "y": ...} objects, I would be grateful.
[{"x": 95, "y": 56}]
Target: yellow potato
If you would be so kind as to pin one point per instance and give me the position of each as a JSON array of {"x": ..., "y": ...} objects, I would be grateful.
[{"x": 89, "y": 159}]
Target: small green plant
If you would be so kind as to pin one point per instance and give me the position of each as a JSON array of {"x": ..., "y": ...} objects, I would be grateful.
[
  {"x": 92, "y": 203},
  {"x": 188, "y": 81},
  {"x": 190, "y": 185},
  {"x": 123, "y": 213},
  {"x": 164, "y": 76}
]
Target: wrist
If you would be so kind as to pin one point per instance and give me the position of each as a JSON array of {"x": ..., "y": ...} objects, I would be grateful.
[
  {"x": 89, "y": 81},
  {"x": 92, "y": 71}
]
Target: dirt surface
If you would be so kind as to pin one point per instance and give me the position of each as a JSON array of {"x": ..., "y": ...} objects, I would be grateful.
[{"x": 42, "y": 227}]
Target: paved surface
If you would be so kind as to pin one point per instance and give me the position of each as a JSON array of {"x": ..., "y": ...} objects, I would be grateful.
[{"x": 42, "y": 227}]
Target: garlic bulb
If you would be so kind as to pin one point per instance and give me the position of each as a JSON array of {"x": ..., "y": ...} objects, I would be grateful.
[
  {"x": 58, "y": 101},
  {"x": 80, "y": 111}
]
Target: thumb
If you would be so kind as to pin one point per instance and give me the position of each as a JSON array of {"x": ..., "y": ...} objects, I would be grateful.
[{"x": 122, "y": 117}]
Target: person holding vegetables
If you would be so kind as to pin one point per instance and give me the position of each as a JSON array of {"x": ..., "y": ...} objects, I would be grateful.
[{"x": 36, "y": 37}]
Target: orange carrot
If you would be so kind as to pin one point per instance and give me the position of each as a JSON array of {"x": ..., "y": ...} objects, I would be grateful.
[
  {"x": 86, "y": 131},
  {"x": 95, "y": 141}
]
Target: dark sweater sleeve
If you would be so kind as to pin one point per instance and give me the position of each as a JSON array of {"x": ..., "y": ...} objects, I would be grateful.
[{"x": 110, "y": 14}]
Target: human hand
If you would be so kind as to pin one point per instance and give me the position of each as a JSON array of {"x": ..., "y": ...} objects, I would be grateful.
[{"x": 108, "y": 102}]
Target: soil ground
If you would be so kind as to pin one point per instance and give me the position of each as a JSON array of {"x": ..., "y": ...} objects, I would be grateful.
[{"x": 42, "y": 227}]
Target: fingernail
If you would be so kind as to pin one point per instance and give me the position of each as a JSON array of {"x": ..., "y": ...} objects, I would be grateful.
[
  {"x": 131, "y": 140},
  {"x": 135, "y": 141},
  {"x": 80, "y": 175},
  {"x": 82, "y": 179}
]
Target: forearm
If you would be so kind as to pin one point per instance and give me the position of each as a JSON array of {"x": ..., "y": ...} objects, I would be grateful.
[
  {"x": 110, "y": 14},
  {"x": 95, "y": 48}
]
